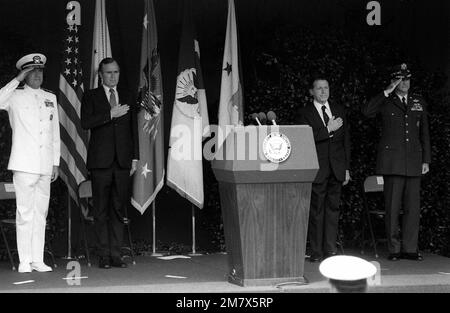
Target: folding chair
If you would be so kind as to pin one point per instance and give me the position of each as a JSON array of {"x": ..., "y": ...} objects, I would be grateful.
[
  {"x": 7, "y": 192},
  {"x": 85, "y": 199},
  {"x": 372, "y": 184},
  {"x": 339, "y": 241}
]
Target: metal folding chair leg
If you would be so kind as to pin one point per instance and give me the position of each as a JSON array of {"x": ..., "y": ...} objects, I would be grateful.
[
  {"x": 86, "y": 246},
  {"x": 11, "y": 260},
  {"x": 131, "y": 245},
  {"x": 52, "y": 256},
  {"x": 127, "y": 222},
  {"x": 341, "y": 245},
  {"x": 369, "y": 224}
]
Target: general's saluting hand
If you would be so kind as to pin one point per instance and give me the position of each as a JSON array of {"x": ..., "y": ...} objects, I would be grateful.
[
  {"x": 392, "y": 86},
  {"x": 119, "y": 110}
]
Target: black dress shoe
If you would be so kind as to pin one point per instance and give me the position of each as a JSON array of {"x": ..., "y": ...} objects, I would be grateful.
[
  {"x": 104, "y": 263},
  {"x": 117, "y": 262},
  {"x": 330, "y": 254},
  {"x": 315, "y": 258},
  {"x": 394, "y": 257},
  {"x": 412, "y": 256}
]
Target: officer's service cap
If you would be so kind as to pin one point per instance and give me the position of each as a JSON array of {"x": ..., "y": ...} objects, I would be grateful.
[
  {"x": 401, "y": 71},
  {"x": 34, "y": 59},
  {"x": 347, "y": 268}
]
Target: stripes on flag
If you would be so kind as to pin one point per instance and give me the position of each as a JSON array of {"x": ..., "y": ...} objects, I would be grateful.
[{"x": 74, "y": 139}]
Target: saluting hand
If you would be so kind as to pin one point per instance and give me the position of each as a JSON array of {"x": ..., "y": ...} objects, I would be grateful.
[
  {"x": 23, "y": 73},
  {"x": 392, "y": 86},
  {"x": 119, "y": 110}
]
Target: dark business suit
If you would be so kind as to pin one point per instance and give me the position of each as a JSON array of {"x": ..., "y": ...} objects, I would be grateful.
[
  {"x": 403, "y": 147},
  {"x": 112, "y": 147},
  {"x": 333, "y": 153}
]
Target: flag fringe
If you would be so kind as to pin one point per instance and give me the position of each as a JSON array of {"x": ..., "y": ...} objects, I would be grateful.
[
  {"x": 144, "y": 207},
  {"x": 182, "y": 193}
]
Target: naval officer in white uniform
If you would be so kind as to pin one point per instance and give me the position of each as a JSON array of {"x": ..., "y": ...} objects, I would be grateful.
[{"x": 34, "y": 159}]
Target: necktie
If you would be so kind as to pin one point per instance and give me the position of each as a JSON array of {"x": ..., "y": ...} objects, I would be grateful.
[
  {"x": 404, "y": 101},
  {"x": 112, "y": 98},
  {"x": 325, "y": 115}
]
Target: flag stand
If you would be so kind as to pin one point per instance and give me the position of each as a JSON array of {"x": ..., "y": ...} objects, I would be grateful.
[
  {"x": 69, "y": 228},
  {"x": 194, "y": 252},
  {"x": 154, "y": 253}
]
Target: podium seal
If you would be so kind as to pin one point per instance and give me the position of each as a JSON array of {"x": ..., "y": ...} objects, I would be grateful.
[{"x": 276, "y": 147}]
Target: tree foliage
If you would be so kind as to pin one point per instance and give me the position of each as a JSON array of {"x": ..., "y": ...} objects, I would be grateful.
[{"x": 357, "y": 68}]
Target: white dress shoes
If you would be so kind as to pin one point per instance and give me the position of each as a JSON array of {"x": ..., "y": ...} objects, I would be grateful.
[
  {"x": 24, "y": 268},
  {"x": 40, "y": 267}
]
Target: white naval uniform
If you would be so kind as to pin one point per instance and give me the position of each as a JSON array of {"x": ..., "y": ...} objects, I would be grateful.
[{"x": 33, "y": 115}]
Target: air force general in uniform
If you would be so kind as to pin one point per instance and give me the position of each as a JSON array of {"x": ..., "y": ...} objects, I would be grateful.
[
  {"x": 404, "y": 155},
  {"x": 34, "y": 159}
]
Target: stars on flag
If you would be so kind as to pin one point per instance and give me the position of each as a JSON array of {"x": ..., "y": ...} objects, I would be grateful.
[
  {"x": 228, "y": 68},
  {"x": 72, "y": 71},
  {"x": 145, "y": 170},
  {"x": 145, "y": 21}
]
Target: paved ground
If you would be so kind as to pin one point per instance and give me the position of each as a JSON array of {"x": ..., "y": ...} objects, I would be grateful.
[{"x": 207, "y": 274}]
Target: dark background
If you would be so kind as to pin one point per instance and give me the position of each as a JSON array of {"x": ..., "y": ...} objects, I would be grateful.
[{"x": 419, "y": 29}]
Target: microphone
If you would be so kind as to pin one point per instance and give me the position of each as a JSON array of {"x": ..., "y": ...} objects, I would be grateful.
[
  {"x": 262, "y": 117},
  {"x": 254, "y": 116},
  {"x": 271, "y": 116}
]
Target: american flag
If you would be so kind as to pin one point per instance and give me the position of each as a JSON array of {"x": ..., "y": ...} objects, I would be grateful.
[{"x": 74, "y": 139}]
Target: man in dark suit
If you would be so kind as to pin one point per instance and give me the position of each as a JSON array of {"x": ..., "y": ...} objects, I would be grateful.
[
  {"x": 403, "y": 157},
  {"x": 331, "y": 136},
  {"x": 112, "y": 158}
]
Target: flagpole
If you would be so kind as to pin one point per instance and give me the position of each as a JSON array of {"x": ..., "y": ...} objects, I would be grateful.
[
  {"x": 154, "y": 230},
  {"x": 69, "y": 227},
  {"x": 194, "y": 252}
]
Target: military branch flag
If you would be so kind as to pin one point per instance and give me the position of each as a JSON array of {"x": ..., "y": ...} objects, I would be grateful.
[
  {"x": 189, "y": 119},
  {"x": 201, "y": 92},
  {"x": 74, "y": 139},
  {"x": 149, "y": 177},
  {"x": 231, "y": 107},
  {"x": 101, "y": 46}
]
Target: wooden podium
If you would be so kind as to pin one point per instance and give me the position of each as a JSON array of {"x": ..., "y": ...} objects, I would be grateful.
[{"x": 265, "y": 205}]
